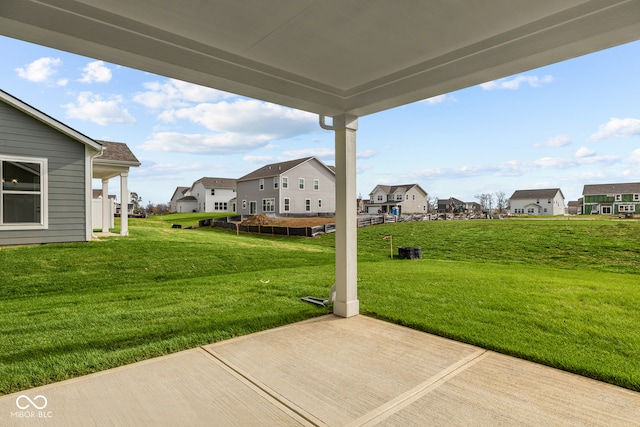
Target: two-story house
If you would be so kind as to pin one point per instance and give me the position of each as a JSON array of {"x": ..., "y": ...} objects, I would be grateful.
[
  {"x": 546, "y": 202},
  {"x": 206, "y": 195},
  {"x": 408, "y": 199},
  {"x": 301, "y": 186},
  {"x": 611, "y": 199}
]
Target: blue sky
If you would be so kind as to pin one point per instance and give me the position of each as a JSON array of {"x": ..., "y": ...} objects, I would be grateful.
[{"x": 564, "y": 125}]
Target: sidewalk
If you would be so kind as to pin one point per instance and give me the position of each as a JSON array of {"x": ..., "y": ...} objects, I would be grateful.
[{"x": 327, "y": 371}]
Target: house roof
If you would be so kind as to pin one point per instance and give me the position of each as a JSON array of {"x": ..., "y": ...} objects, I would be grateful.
[
  {"x": 329, "y": 57},
  {"x": 621, "y": 188},
  {"x": 50, "y": 121},
  {"x": 545, "y": 193},
  {"x": 116, "y": 153},
  {"x": 187, "y": 199},
  {"x": 179, "y": 190},
  {"x": 390, "y": 189},
  {"x": 450, "y": 201},
  {"x": 276, "y": 169},
  {"x": 208, "y": 182}
]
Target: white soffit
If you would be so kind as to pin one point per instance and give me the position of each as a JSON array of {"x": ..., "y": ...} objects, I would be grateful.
[{"x": 327, "y": 56}]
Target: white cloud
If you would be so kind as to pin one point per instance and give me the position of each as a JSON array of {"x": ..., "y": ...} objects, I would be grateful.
[
  {"x": 176, "y": 93},
  {"x": 435, "y": 99},
  {"x": 94, "y": 108},
  {"x": 585, "y": 152},
  {"x": 366, "y": 154},
  {"x": 556, "y": 141},
  {"x": 634, "y": 157},
  {"x": 516, "y": 82},
  {"x": 321, "y": 153},
  {"x": 260, "y": 160},
  {"x": 617, "y": 128},
  {"x": 222, "y": 143},
  {"x": 62, "y": 82},
  {"x": 40, "y": 70},
  {"x": 96, "y": 72},
  {"x": 251, "y": 117}
]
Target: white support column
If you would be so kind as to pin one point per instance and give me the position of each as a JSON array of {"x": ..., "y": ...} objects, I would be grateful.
[
  {"x": 124, "y": 204},
  {"x": 106, "y": 212},
  {"x": 346, "y": 303}
]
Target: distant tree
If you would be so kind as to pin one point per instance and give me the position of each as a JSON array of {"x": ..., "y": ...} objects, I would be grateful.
[
  {"x": 486, "y": 201},
  {"x": 501, "y": 201},
  {"x": 159, "y": 209},
  {"x": 135, "y": 201}
]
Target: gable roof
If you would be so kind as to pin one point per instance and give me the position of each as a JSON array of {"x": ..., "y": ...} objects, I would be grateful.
[
  {"x": 450, "y": 201},
  {"x": 179, "y": 190},
  {"x": 390, "y": 189},
  {"x": 49, "y": 121},
  {"x": 208, "y": 182},
  {"x": 621, "y": 188},
  {"x": 545, "y": 193},
  {"x": 117, "y": 153},
  {"x": 275, "y": 169}
]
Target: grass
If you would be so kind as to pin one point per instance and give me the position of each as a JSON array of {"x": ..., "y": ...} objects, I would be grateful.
[{"x": 563, "y": 293}]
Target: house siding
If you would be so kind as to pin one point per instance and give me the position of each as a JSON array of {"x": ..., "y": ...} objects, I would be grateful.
[
  {"x": 22, "y": 135},
  {"x": 250, "y": 191}
]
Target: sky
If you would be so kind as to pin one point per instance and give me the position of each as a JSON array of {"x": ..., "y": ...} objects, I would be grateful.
[{"x": 562, "y": 126}]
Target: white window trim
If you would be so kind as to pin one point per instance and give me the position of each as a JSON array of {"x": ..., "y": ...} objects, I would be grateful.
[
  {"x": 316, "y": 185},
  {"x": 286, "y": 205},
  {"x": 44, "y": 195},
  {"x": 301, "y": 184},
  {"x": 285, "y": 182},
  {"x": 272, "y": 205},
  {"x": 275, "y": 183},
  {"x": 261, "y": 184},
  {"x": 307, "y": 205}
]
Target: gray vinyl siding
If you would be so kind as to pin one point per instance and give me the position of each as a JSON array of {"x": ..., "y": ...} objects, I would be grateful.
[
  {"x": 22, "y": 135},
  {"x": 250, "y": 191}
]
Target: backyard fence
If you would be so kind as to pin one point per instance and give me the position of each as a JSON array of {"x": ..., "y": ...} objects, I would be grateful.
[{"x": 235, "y": 223}]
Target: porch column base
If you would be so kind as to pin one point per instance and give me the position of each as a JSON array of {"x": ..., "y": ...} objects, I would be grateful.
[{"x": 346, "y": 309}]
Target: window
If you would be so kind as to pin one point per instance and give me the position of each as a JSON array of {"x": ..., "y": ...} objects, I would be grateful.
[
  {"x": 530, "y": 210},
  {"x": 618, "y": 197},
  {"x": 244, "y": 204},
  {"x": 215, "y": 206},
  {"x": 224, "y": 206},
  {"x": 413, "y": 197},
  {"x": 285, "y": 182},
  {"x": 23, "y": 201},
  {"x": 275, "y": 183},
  {"x": 319, "y": 203},
  {"x": 287, "y": 205},
  {"x": 548, "y": 200},
  {"x": 636, "y": 197},
  {"x": 316, "y": 184},
  {"x": 261, "y": 184},
  {"x": 213, "y": 192},
  {"x": 398, "y": 197},
  {"x": 626, "y": 208},
  {"x": 268, "y": 205},
  {"x": 301, "y": 183},
  {"x": 545, "y": 210},
  {"x": 307, "y": 205},
  {"x": 379, "y": 197},
  {"x": 253, "y": 207}
]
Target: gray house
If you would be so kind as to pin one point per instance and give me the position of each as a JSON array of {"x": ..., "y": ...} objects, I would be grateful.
[
  {"x": 302, "y": 186},
  {"x": 546, "y": 202},
  {"x": 46, "y": 169}
]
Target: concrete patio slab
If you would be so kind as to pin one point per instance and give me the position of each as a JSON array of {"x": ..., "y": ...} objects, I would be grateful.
[{"x": 327, "y": 371}]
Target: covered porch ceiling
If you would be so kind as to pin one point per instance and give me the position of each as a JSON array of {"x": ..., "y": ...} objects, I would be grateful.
[{"x": 327, "y": 56}]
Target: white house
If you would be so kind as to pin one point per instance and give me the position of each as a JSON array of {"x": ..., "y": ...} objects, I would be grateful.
[
  {"x": 205, "y": 195},
  {"x": 407, "y": 198},
  {"x": 301, "y": 186},
  {"x": 546, "y": 202}
]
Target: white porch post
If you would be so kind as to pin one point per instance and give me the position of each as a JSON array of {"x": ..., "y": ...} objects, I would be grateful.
[
  {"x": 346, "y": 303},
  {"x": 106, "y": 221},
  {"x": 124, "y": 204}
]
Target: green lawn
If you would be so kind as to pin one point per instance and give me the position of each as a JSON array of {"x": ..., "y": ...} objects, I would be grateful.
[{"x": 563, "y": 293}]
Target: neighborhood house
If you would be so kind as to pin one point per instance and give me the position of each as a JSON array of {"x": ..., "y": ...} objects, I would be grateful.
[
  {"x": 302, "y": 186},
  {"x": 546, "y": 202},
  {"x": 206, "y": 195},
  {"x": 398, "y": 199},
  {"x": 611, "y": 199}
]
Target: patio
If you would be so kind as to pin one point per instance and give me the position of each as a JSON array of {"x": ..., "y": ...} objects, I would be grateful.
[{"x": 327, "y": 371}]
